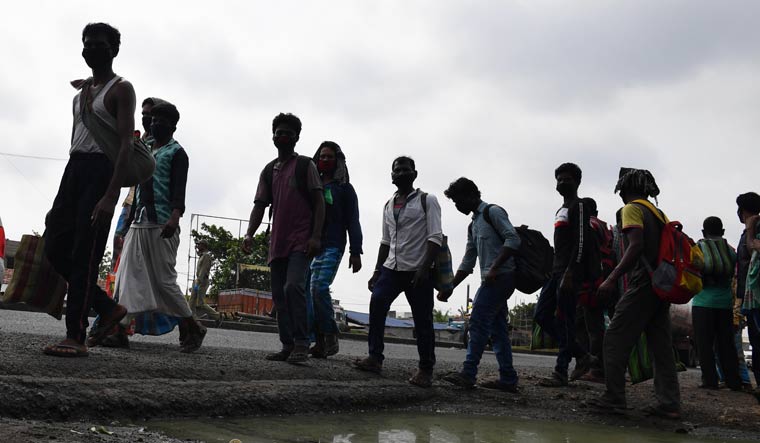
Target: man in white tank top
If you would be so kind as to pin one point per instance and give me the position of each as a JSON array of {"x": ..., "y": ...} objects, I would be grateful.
[{"x": 76, "y": 228}]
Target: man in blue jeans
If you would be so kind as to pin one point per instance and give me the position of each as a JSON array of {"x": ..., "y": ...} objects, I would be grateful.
[
  {"x": 411, "y": 240},
  {"x": 492, "y": 241}
]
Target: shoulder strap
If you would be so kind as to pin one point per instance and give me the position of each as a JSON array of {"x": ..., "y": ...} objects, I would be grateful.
[
  {"x": 423, "y": 202},
  {"x": 657, "y": 212},
  {"x": 302, "y": 179},
  {"x": 487, "y": 218}
]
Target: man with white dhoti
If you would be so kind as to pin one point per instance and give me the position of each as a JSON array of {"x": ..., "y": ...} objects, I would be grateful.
[{"x": 146, "y": 282}]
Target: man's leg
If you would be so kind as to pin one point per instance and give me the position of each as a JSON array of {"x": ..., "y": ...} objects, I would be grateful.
[
  {"x": 502, "y": 346},
  {"x": 632, "y": 314},
  {"x": 387, "y": 288},
  {"x": 581, "y": 332},
  {"x": 660, "y": 344},
  {"x": 195, "y": 302},
  {"x": 739, "y": 348},
  {"x": 568, "y": 347},
  {"x": 421, "y": 301},
  {"x": 92, "y": 176},
  {"x": 724, "y": 342},
  {"x": 490, "y": 301},
  {"x": 753, "y": 325},
  {"x": 546, "y": 307},
  {"x": 704, "y": 336},
  {"x": 295, "y": 297},
  {"x": 60, "y": 225},
  {"x": 278, "y": 271},
  {"x": 594, "y": 321},
  {"x": 323, "y": 270}
]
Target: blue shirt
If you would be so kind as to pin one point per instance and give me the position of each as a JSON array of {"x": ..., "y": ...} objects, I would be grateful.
[{"x": 484, "y": 243}]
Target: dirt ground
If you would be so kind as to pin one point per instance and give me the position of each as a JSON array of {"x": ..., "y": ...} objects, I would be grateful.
[{"x": 51, "y": 399}]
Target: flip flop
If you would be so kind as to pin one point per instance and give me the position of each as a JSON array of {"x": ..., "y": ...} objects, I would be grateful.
[
  {"x": 61, "y": 350},
  {"x": 107, "y": 324}
]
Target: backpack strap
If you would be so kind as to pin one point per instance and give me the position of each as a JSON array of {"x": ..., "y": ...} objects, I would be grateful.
[
  {"x": 302, "y": 178},
  {"x": 487, "y": 218},
  {"x": 423, "y": 202}
]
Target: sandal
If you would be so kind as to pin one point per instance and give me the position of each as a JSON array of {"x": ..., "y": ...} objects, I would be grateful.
[
  {"x": 64, "y": 350},
  {"x": 105, "y": 325},
  {"x": 662, "y": 412}
]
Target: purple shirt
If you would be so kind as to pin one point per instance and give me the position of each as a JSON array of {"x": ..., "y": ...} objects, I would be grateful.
[{"x": 292, "y": 215}]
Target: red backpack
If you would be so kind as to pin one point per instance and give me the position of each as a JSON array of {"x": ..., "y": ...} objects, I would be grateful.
[{"x": 678, "y": 274}]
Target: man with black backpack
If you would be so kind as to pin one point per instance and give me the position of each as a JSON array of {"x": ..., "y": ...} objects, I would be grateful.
[
  {"x": 493, "y": 242},
  {"x": 574, "y": 264},
  {"x": 639, "y": 308},
  {"x": 291, "y": 184},
  {"x": 412, "y": 237}
]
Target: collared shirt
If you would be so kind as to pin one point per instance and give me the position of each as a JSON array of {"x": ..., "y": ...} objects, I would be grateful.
[
  {"x": 408, "y": 229},
  {"x": 292, "y": 215},
  {"x": 484, "y": 243}
]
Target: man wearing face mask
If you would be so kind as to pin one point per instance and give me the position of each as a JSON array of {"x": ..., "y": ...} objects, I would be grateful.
[
  {"x": 341, "y": 216},
  {"x": 146, "y": 283},
  {"x": 291, "y": 184},
  {"x": 76, "y": 228},
  {"x": 126, "y": 206},
  {"x": 412, "y": 237},
  {"x": 555, "y": 309}
]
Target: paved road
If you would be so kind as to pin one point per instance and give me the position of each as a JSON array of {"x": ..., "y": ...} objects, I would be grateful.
[{"x": 43, "y": 324}]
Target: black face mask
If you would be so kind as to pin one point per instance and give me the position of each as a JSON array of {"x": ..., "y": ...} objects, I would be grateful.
[
  {"x": 284, "y": 142},
  {"x": 146, "y": 120},
  {"x": 404, "y": 180},
  {"x": 161, "y": 132},
  {"x": 565, "y": 189},
  {"x": 97, "y": 57}
]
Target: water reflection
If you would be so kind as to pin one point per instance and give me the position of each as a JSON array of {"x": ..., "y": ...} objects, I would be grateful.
[{"x": 407, "y": 428}]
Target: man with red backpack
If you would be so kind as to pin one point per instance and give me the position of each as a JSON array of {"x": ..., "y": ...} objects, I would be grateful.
[{"x": 639, "y": 309}]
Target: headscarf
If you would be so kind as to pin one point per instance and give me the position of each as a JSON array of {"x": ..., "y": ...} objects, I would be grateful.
[
  {"x": 637, "y": 181},
  {"x": 340, "y": 174}
]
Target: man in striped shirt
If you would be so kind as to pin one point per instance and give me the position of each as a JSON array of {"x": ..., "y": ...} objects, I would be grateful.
[{"x": 573, "y": 245}]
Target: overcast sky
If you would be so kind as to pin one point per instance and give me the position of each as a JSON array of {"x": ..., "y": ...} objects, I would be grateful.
[{"x": 500, "y": 92}]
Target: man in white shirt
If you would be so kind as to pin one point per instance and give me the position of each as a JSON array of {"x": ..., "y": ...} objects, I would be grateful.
[{"x": 411, "y": 239}]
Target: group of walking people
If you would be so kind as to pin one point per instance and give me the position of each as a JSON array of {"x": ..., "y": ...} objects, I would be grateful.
[{"x": 314, "y": 215}]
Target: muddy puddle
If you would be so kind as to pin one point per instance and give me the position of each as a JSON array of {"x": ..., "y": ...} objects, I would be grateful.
[{"x": 408, "y": 428}]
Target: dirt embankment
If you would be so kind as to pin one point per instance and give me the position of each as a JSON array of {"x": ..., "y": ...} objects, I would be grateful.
[{"x": 43, "y": 397}]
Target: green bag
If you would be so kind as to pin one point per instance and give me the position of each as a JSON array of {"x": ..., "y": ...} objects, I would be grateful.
[
  {"x": 541, "y": 340},
  {"x": 640, "y": 362},
  {"x": 34, "y": 281}
]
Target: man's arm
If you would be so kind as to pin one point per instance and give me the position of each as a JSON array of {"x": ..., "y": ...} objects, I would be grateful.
[
  {"x": 579, "y": 220},
  {"x": 382, "y": 255},
  {"x": 632, "y": 254},
  {"x": 354, "y": 229},
  {"x": 315, "y": 242},
  {"x": 254, "y": 221},
  {"x": 177, "y": 186},
  {"x": 125, "y": 127},
  {"x": 465, "y": 268},
  {"x": 511, "y": 244},
  {"x": 752, "y": 242}
]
